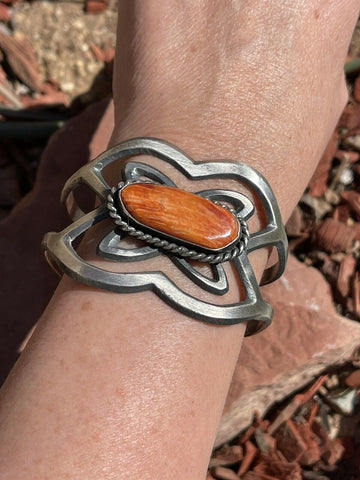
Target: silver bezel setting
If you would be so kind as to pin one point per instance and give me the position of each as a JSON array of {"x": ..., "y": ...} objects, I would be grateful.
[{"x": 170, "y": 244}]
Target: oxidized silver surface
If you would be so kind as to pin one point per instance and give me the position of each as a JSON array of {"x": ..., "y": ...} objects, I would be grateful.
[
  {"x": 253, "y": 309},
  {"x": 169, "y": 246}
]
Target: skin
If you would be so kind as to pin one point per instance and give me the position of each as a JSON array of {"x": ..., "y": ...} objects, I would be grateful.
[{"x": 103, "y": 391}]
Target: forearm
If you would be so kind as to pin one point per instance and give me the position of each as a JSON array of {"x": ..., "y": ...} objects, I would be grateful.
[
  {"x": 112, "y": 380},
  {"x": 117, "y": 380},
  {"x": 104, "y": 390}
]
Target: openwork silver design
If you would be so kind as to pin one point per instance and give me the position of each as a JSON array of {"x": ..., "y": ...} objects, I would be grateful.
[
  {"x": 253, "y": 309},
  {"x": 174, "y": 248}
]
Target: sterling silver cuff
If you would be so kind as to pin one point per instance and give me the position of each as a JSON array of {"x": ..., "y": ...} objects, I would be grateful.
[{"x": 211, "y": 227}]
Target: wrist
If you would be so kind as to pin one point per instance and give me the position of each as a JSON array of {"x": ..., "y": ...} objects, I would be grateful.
[{"x": 220, "y": 182}]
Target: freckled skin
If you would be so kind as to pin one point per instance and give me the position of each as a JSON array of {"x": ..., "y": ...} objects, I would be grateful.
[
  {"x": 181, "y": 214},
  {"x": 86, "y": 306}
]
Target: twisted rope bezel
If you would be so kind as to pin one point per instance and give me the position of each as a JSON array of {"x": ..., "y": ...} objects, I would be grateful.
[{"x": 174, "y": 248}]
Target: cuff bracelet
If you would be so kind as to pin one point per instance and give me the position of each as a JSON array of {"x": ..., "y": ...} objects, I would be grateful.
[{"x": 183, "y": 227}]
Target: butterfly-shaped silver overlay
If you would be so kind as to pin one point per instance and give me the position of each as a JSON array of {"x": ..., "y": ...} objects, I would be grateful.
[{"x": 253, "y": 310}]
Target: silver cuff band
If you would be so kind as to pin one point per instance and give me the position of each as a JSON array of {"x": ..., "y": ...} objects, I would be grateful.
[{"x": 253, "y": 309}]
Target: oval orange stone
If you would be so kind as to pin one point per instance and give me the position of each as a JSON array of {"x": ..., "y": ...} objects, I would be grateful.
[{"x": 181, "y": 214}]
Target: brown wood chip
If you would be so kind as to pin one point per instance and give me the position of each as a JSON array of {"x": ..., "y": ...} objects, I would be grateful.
[
  {"x": 333, "y": 236},
  {"x": 97, "y": 52},
  {"x": 223, "y": 473},
  {"x": 350, "y": 117},
  {"x": 250, "y": 454},
  {"x": 341, "y": 213},
  {"x": 352, "y": 198},
  {"x": 95, "y": 6},
  {"x": 356, "y": 90},
  {"x": 314, "y": 476},
  {"x": 290, "y": 442},
  {"x": 353, "y": 380},
  {"x": 271, "y": 466},
  {"x": 296, "y": 402},
  {"x": 227, "y": 456},
  {"x": 312, "y": 453},
  {"x": 348, "y": 156},
  {"x": 333, "y": 451},
  {"x": 4, "y": 13},
  {"x": 21, "y": 59},
  {"x": 346, "y": 272}
]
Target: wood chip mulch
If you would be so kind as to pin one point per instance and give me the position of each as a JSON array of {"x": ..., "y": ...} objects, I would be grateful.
[
  {"x": 31, "y": 110},
  {"x": 313, "y": 436},
  {"x": 324, "y": 230}
]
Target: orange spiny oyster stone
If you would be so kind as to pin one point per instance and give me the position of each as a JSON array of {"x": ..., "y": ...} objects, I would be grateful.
[{"x": 181, "y": 214}]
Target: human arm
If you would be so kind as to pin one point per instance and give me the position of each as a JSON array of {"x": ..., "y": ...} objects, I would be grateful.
[{"x": 101, "y": 390}]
